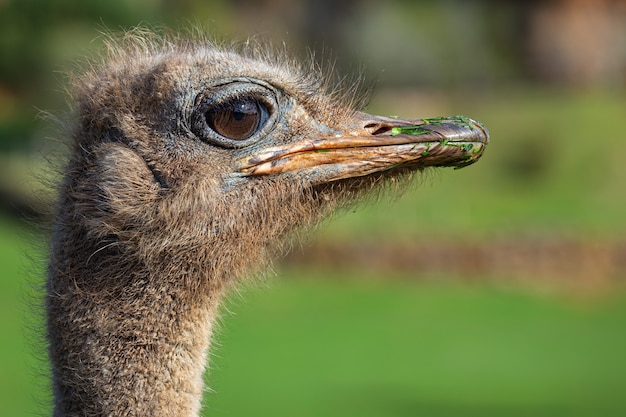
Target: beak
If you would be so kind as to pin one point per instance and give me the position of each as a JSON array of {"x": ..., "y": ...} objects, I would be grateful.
[{"x": 373, "y": 145}]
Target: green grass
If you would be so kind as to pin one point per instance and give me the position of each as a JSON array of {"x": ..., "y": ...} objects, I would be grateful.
[
  {"x": 310, "y": 348},
  {"x": 22, "y": 371}
]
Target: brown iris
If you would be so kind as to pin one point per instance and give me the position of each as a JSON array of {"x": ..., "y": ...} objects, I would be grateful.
[{"x": 238, "y": 119}]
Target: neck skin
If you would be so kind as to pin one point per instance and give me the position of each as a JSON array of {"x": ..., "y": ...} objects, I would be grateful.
[
  {"x": 132, "y": 292},
  {"x": 136, "y": 275},
  {"x": 137, "y": 350},
  {"x": 131, "y": 297}
]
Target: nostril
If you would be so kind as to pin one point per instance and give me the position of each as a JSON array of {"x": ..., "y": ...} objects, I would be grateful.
[{"x": 377, "y": 128}]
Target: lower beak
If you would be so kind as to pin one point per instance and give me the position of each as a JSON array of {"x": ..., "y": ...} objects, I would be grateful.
[{"x": 376, "y": 144}]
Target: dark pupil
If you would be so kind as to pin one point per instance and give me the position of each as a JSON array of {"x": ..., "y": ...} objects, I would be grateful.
[{"x": 235, "y": 120}]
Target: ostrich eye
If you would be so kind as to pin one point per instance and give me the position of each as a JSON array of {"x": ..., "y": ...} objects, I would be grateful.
[
  {"x": 234, "y": 114},
  {"x": 238, "y": 119}
]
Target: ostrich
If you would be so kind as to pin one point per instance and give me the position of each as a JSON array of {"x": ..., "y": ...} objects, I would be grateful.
[{"x": 191, "y": 166}]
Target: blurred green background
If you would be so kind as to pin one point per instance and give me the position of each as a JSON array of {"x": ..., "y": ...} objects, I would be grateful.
[{"x": 490, "y": 291}]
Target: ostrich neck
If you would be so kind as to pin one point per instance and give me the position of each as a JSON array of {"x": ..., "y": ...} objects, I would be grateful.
[
  {"x": 123, "y": 342},
  {"x": 135, "y": 279}
]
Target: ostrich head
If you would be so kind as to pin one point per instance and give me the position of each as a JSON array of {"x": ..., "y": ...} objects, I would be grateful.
[{"x": 190, "y": 165}]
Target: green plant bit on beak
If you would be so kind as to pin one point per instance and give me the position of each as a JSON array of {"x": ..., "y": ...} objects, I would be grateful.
[
  {"x": 438, "y": 121},
  {"x": 434, "y": 121},
  {"x": 409, "y": 130}
]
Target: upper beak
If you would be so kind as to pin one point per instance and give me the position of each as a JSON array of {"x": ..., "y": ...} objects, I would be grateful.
[{"x": 375, "y": 144}]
